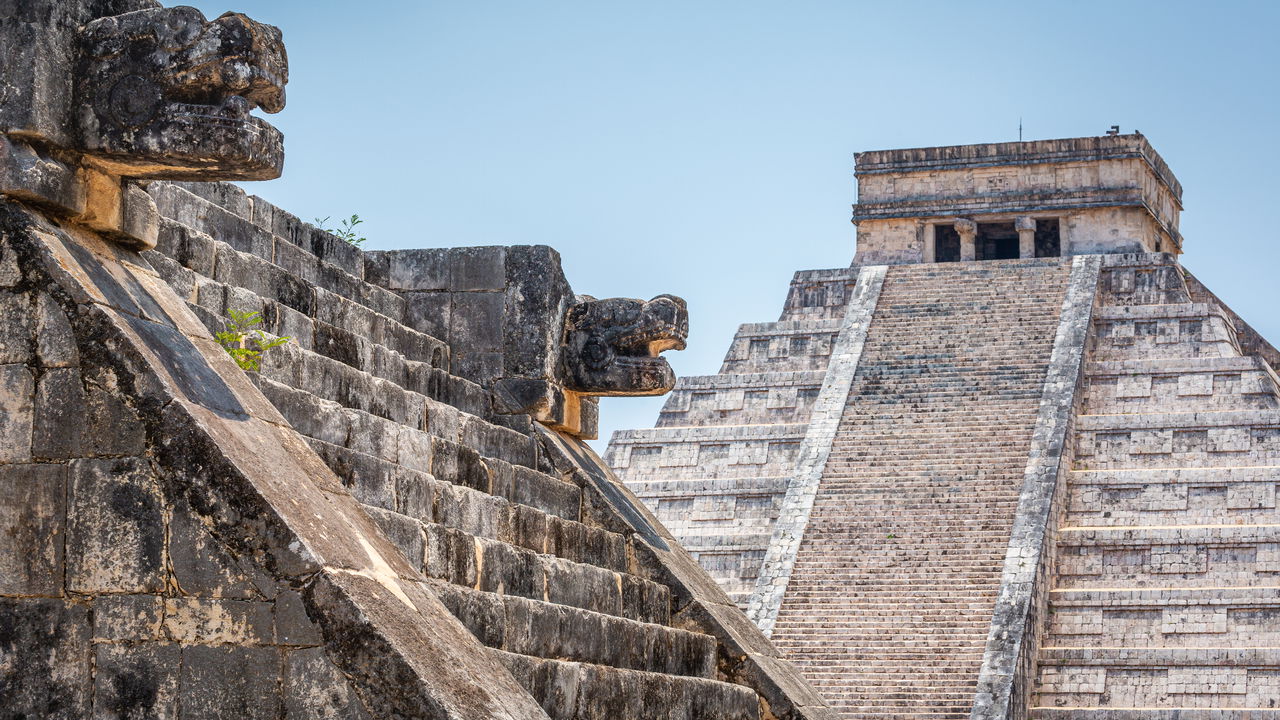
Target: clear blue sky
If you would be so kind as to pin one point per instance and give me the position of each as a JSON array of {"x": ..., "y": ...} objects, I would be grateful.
[{"x": 705, "y": 148}]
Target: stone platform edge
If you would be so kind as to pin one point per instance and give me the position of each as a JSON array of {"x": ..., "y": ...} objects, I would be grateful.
[{"x": 811, "y": 460}]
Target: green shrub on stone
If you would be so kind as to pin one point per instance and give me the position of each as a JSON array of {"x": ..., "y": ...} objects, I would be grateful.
[
  {"x": 244, "y": 343},
  {"x": 347, "y": 232}
]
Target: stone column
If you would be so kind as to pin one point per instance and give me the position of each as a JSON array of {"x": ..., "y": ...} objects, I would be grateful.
[
  {"x": 1026, "y": 227},
  {"x": 930, "y": 243},
  {"x": 968, "y": 232}
]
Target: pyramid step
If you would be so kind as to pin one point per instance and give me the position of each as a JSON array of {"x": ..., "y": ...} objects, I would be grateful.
[
  {"x": 1152, "y": 713},
  {"x": 1213, "y": 677},
  {"x": 546, "y": 630},
  {"x": 370, "y": 452},
  {"x": 582, "y": 691}
]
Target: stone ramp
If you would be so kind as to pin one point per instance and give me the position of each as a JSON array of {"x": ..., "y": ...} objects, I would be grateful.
[
  {"x": 541, "y": 565},
  {"x": 890, "y": 598},
  {"x": 1164, "y": 602}
]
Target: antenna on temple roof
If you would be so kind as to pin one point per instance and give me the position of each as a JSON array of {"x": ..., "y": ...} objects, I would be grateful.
[
  {"x": 1115, "y": 130},
  {"x": 1019, "y": 129}
]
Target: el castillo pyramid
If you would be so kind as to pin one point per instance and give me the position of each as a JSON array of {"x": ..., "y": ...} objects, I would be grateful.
[{"x": 1014, "y": 462}]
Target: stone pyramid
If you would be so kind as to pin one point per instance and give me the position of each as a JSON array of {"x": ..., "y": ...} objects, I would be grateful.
[{"x": 1015, "y": 462}]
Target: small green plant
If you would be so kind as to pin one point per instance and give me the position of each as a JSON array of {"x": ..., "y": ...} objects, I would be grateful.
[
  {"x": 347, "y": 231},
  {"x": 890, "y": 536},
  {"x": 244, "y": 342}
]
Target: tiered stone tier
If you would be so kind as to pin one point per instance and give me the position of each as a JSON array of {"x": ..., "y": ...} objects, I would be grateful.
[
  {"x": 1165, "y": 601},
  {"x": 716, "y": 466}
]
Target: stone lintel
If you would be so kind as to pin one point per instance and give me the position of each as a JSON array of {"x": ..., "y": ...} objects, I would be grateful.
[{"x": 1080, "y": 149}]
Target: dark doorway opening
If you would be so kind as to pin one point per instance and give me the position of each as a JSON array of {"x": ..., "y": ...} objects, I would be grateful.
[
  {"x": 997, "y": 241},
  {"x": 946, "y": 244},
  {"x": 1047, "y": 242}
]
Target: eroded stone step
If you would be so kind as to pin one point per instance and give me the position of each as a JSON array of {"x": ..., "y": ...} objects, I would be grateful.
[
  {"x": 312, "y": 256},
  {"x": 582, "y": 691},
  {"x": 453, "y": 468},
  {"x": 493, "y": 566},
  {"x": 547, "y": 630}
]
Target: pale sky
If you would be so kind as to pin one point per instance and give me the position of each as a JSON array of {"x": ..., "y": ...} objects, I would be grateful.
[{"x": 705, "y": 148}]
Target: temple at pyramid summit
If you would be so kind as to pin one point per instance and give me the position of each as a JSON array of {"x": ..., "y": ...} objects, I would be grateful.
[{"x": 1015, "y": 461}]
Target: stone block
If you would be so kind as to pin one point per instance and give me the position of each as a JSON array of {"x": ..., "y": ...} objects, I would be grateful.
[
  {"x": 315, "y": 689},
  {"x": 373, "y": 435},
  {"x": 218, "y": 621},
  {"x": 263, "y": 213},
  {"x": 111, "y": 427},
  {"x": 139, "y": 681},
  {"x": 17, "y": 317},
  {"x": 17, "y": 405},
  {"x": 403, "y": 532},
  {"x": 33, "y": 515},
  {"x": 139, "y": 218},
  {"x": 583, "y": 586},
  {"x": 45, "y": 659},
  {"x": 115, "y": 528},
  {"x": 55, "y": 342},
  {"x": 10, "y": 272},
  {"x": 477, "y": 268},
  {"x": 201, "y": 564},
  {"x": 38, "y": 178},
  {"x": 505, "y": 569},
  {"x": 417, "y": 269},
  {"x": 241, "y": 682},
  {"x": 484, "y": 614},
  {"x": 335, "y": 251},
  {"x": 450, "y": 555},
  {"x": 498, "y": 442},
  {"x": 414, "y": 449},
  {"x": 225, "y": 195},
  {"x": 414, "y": 494},
  {"x": 1133, "y": 386},
  {"x": 128, "y": 618},
  {"x": 60, "y": 413},
  {"x": 476, "y": 322},
  {"x": 293, "y": 625}
]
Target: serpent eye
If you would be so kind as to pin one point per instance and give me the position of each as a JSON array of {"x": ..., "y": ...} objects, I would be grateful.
[{"x": 596, "y": 354}]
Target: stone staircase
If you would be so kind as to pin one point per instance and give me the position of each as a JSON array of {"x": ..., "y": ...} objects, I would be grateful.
[
  {"x": 716, "y": 465},
  {"x": 889, "y": 602},
  {"x": 1165, "y": 602},
  {"x": 559, "y": 593}
]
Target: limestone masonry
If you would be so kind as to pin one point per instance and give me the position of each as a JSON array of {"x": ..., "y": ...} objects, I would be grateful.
[
  {"x": 1015, "y": 462},
  {"x": 395, "y": 516}
]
